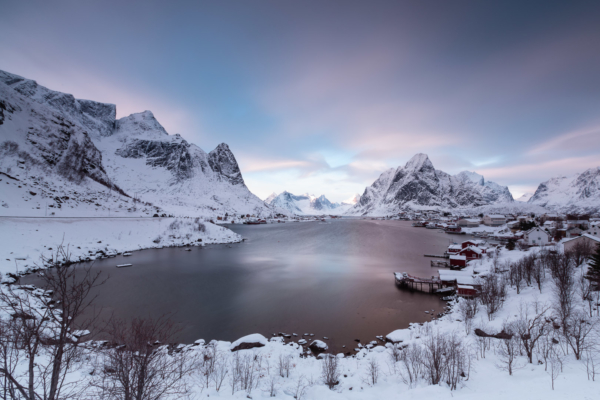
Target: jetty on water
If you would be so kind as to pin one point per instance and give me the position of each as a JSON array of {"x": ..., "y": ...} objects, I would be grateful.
[{"x": 415, "y": 283}]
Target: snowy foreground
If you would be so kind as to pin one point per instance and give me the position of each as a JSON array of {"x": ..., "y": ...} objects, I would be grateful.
[
  {"x": 25, "y": 240},
  {"x": 377, "y": 371}
]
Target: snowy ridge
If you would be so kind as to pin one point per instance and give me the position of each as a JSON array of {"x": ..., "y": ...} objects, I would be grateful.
[
  {"x": 308, "y": 204},
  {"x": 419, "y": 185},
  {"x": 62, "y": 140},
  {"x": 576, "y": 193}
]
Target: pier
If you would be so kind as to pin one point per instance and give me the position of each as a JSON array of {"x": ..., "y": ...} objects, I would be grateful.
[
  {"x": 437, "y": 255},
  {"x": 415, "y": 283}
]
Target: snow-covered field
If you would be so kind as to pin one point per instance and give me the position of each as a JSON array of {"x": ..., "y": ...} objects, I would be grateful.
[{"x": 25, "y": 240}]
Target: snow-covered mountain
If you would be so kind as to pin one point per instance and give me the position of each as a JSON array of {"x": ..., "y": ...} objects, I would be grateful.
[
  {"x": 351, "y": 201},
  {"x": 80, "y": 146},
  {"x": 525, "y": 197},
  {"x": 303, "y": 204},
  {"x": 419, "y": 185},
  {"x": 576, "y": 193}
]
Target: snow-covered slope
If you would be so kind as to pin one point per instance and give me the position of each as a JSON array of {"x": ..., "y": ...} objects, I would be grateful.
[
  {"x": 419, "y": 185},
  {"x": 64, "y": 141},
  {"x": 576, "y": 193},
  {"x": 525, "y": 197},
  {"x": 303, "y": 204}
]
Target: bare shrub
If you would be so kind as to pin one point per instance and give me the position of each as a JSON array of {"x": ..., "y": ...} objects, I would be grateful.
[
  {"x": 140, "y": 366},
  {"x": 562, "y": 268},
  {"x": 412, "y": 365},
  {"x": 284, "y": 364},
  {"x": 372, "y": 371},
  {"x": 330, "y": 371}
]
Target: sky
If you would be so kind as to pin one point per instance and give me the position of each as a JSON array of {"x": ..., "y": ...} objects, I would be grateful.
[{"x": 323, "y": 96}]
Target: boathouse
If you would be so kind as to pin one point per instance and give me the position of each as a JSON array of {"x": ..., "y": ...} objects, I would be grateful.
[
  {"x": 467, "y": 291},
  {"x": 454, "y": 248},
  {"x": 458, "y": 261}
]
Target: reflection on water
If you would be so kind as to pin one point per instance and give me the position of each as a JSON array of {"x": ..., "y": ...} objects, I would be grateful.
[{"x": 331, "y": 279}]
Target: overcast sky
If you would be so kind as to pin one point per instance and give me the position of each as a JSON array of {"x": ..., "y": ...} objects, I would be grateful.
[{"x": 323, "y": 96}]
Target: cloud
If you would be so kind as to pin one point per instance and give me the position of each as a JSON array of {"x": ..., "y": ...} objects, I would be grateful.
[{"x": 582, "y": 140}]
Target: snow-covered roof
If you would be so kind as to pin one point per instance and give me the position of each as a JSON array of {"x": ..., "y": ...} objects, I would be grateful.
[
  {"x": 473, "y": 249},
  {"x": 455, "y": 246},
  {"x": 594, "y": 238},
  {"x": 466, "y": 287},
  {"x": 461, "y": 277},
  {"x": 463, "y": 258},
  {"x": 495, "y": 216}
]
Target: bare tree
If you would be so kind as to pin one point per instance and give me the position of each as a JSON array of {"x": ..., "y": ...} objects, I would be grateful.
[
  {"x": 330, "y": 371},
  {"x": 580, "y": 252},
  {"x": 577, "y": 331},
  {"x": 141, "y": 366},
  {"x": 434, "y": 357},
  {"x": 529, "y": 328},
  {"x": 562, "y": 268},
  {"x": 555, "y": 360},
  {"x": 45, "y": 324},
  {"x": 300, "y": 387},
  {"x": 539, "y": 274},
  {"x": 468, "y": 310},
  {"x": 508, "y": 351},
  {"x": 493, "y": 293}
]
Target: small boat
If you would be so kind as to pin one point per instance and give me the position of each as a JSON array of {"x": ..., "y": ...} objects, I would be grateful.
[
  {"x": 126, "y": 254},
  {"x": 124, "y": 265}
]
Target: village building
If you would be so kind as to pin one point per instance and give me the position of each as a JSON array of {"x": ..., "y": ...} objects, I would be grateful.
[
  {"x": 573, "y": 232},
  {"x": 466, "y": 291},
  {"x": 457, "y": 261},
  {"x": 593, "y": 241},
  {"x": 472, "y": 253},
  {"x": 594, "y": 229},
  {"x": 494, "y": 220},
  {"x": 472, "y": 242},
  {"x": 537, "y": 237},
  {"x": 549, "y": 224},
  {"x": 523, "y": 218},
  {"x": 468, "y": 223},
  {"x": 454, "y": 248}
]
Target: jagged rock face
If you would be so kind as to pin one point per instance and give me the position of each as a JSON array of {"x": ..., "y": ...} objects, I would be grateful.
[
  {"x": 173, "y": 156},
  {"x": 223, "y": 162},
  {"x": 95, "y": 118},
  {"x": 419, "y": 184},
  {"x": 577, "y": 193},
  {"x": 48, "y": 130}
]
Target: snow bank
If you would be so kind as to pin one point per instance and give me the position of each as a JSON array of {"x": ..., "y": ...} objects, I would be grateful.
[{"x": 24, "y": 240}]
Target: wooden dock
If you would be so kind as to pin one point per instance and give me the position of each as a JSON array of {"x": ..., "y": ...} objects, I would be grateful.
[
  {"x": 437, "y": 255},
  {"x": 415, "y": 283}
]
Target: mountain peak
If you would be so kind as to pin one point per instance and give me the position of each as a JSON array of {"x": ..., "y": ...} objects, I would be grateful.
[
  {"x": 418, "y": 162},
  {"x": 471, "y": 176},
  {"x": 140, "y": 123}
]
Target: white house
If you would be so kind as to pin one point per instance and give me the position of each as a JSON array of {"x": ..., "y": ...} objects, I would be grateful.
[
  {"x": 468, "y": 223},
  {"x": 494, "y": 220},
  {"x": 536, "y": 237}
]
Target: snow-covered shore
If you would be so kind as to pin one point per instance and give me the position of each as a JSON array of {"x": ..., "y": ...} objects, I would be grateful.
[{"x": 25, "y": 240}]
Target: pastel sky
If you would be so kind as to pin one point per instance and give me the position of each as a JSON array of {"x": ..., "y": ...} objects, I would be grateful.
[{"x": 323, "y": 96}]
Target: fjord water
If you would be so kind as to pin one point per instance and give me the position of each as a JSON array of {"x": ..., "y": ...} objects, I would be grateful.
[{"x": 332, "y": 279}]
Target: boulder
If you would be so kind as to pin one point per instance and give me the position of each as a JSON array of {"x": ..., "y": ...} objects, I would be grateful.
[
  {"x": 249, "y": 342},
  {"x": 318, "y": 346}
]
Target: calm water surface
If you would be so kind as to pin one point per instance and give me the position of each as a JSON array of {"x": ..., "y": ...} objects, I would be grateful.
[{"x": 332, "y": 279}]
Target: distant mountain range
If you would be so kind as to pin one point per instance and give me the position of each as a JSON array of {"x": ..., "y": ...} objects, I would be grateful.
[
  {"x": 308, "y": 204},
  {"x": 419, "y": 185},
  {"x": 577, "y": 193},
  {"x": 78, "y": 149}
]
